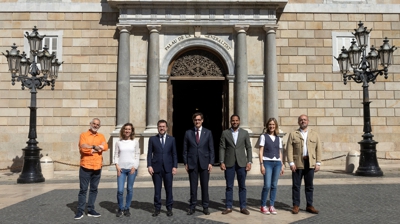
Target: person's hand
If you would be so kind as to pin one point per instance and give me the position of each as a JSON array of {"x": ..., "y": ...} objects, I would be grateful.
[
  {"x": 187, "y": 168},
  {"x": 132, "y": 170},
  {"x": 173, "y": 170},
  {"x": 209, "y": 168},
  {"x": 262, "y": 169},
  {"x": 317, "y": 168},
  {"x": 222, "y": 166},
  {"x": 248, "y": 167},
  {"x": 282, "y": 170},
  {"x": 293, "y": 168},
  {"x": 150, "y": 170},
  {"x": 118, "y": 171}
]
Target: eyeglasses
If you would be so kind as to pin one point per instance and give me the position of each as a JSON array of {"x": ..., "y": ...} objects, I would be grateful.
[{"x": 197, "y": 119}]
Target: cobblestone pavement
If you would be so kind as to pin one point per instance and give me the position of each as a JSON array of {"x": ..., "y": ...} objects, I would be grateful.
[{"x": 340, "y": 197}]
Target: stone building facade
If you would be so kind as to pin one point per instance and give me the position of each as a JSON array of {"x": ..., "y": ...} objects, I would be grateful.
[{"x": 129, "y": 61}]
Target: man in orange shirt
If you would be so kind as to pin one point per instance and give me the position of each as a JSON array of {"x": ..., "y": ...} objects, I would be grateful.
[{"x": 91, "y": 146}]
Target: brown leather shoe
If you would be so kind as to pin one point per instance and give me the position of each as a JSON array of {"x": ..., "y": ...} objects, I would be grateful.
[
  {"x": 244, "y": 211},
  {"x": 312, "y": 210},
  {"x": 295, "y": 209},
  {"x": 226, "y": 211}
]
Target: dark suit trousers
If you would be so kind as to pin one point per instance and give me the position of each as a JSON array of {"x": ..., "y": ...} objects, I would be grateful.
[
  {"x": 194, "y": 182},
  {"x": 308, "y": 174},
  {"x": 241, "y": 178},
  {"x": 157, "y": 180}
]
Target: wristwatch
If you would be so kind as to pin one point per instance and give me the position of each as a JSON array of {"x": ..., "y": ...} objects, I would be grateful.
[{"x": 93, "y": 147}]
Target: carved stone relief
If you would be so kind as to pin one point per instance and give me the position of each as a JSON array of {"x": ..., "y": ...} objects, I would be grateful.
[{"x": 197, "y": 63}]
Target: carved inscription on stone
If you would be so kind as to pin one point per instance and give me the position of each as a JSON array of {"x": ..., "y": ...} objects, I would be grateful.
[{"x": 197, "y": 63}]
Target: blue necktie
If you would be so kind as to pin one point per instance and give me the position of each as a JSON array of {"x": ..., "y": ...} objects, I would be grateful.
[{"x": 162, "y": 141}]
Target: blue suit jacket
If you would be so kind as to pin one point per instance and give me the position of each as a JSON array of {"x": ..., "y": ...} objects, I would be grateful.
[
  {"x": 159, "y": 157},
  {"x": 202, "y": 152}
]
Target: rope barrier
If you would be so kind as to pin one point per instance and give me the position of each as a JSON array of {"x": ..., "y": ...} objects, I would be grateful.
[
  {"x": 388, "y": 158},
  {"x": 337, "y": 157},
  {"x": 70, "y": 164}
]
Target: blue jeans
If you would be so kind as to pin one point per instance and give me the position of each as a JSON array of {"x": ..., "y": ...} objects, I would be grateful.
[
  {"x": 86, "y": 177},
  {"x": 130, "y": 179},
  {"x": 272, "y": 172},
  {"x": 241, "y": 179}
]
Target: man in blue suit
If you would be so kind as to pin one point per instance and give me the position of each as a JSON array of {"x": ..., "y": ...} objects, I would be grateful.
[
  {"x": 162, "y": 164},
  {"x": 236, "y": 157},
  {"x": 198, "y": 157}
]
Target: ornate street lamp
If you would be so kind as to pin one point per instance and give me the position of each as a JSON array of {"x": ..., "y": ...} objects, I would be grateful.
[
  {"x": 365, "y": 70},
  {"x": 20, "y": 67}
]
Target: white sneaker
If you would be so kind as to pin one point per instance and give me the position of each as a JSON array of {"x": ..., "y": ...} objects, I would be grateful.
[
  {"x": 264, "y": 210},
  {"x": 272, "y": 210}
]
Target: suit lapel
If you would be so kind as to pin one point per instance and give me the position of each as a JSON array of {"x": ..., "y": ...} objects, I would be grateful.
[
  {"x": 240, "y": 136},
  {"x": 202, "y": 135},
  {"x": 166, "y": 141},
  {"x": 230, "y": 136}
]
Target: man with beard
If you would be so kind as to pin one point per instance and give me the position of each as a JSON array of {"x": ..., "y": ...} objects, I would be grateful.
[
  {"x": 162, "y": 164},
  {"x": 91, "y": 146},
  {"x": 304, "y": 155},
  {"x": 236, "y": 157}
]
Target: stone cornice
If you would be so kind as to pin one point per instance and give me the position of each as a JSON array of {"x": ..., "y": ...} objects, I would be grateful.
[{"x": 197, "y": 16}]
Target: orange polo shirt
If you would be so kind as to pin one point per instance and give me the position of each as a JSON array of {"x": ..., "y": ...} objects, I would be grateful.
[{"x": 91, "y": 160}]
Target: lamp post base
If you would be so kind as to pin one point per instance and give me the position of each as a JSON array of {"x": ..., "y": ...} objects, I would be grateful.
[
  {"x": 368, "y": 165},
  {"x": 31, "y": 170}
]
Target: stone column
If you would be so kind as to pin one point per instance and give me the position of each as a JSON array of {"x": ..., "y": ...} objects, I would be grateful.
[
  {"x": 271, "y": 75},
  {"x": 241, "y": 87},
  {"x": 123, "y": 88},
  {"x": 153, "y": 80},
  {"x": 123, "y": 79}
]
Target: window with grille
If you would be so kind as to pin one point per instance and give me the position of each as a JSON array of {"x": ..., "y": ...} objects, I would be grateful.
[
  {"x": 52, "y": 40},
  {"x": 340, "y": 39}
]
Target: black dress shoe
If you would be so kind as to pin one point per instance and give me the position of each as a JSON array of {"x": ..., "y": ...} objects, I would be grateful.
[
  {"x": 206, "y": 212},
  {"x": 156, "y": 213},
  {"x": 190, "y": 212},
  {"x": 169, "y": 212}
]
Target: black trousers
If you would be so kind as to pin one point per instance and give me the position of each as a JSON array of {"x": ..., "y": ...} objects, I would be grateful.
[
  {"x": 308, "y": 174},
  {"x": 194, "y": 175}
]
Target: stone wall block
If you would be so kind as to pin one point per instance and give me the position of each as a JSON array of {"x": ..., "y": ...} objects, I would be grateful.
[
  {"x": 339, "y": 17},
  {"x": 390, "y": 17},
  {"x": 305, "y": 17}
]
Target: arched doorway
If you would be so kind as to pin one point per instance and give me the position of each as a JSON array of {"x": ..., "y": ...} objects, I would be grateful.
[{"x": 197, "y": 83}]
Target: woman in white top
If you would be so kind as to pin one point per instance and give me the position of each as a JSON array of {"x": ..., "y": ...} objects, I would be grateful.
[
  {"x": 126, "y": 158},
  {"x": 271, "y": 165}
]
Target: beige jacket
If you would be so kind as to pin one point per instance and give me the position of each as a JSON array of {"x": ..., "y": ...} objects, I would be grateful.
[{"x": 295, "y": 148}]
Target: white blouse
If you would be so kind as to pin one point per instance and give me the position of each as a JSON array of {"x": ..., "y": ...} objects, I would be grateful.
[{"x": 127, "y": 154}]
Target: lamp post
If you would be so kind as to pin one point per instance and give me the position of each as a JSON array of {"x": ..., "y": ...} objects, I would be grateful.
[
  {"x": 20, "y": 66},
  {"x": 365, "y": 70}
]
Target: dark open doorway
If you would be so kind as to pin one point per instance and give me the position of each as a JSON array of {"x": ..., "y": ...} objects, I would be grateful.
[{"x": 205, "y": 96}]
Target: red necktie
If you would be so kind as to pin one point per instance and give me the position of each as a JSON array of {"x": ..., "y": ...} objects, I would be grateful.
[{"x": 197, "y": 136}]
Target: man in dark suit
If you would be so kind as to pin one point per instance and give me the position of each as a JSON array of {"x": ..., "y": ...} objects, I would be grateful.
[
  {"x": 198, "y": 157},
  {"x": 236, "y": 156},
  {"x": 162, "y": 163}
]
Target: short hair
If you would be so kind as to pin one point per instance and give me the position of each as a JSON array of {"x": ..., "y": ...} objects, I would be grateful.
[
  {"x": 235, "y": 115},
  {"x": 121, "y": 132},
  {"x": 162, "y": 121},
  {"x": 276, "y": 131},
  {"x": 198, "y": 114},
  {"x": 301, "y": 116},
  {"x": 94, "y": 119}
]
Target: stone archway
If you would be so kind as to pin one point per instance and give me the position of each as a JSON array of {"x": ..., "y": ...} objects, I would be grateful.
[{"x": 197, "y": 83}]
